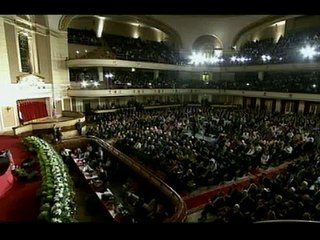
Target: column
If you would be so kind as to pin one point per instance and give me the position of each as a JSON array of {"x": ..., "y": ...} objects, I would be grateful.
[
  {"x": 260, "y": 76},
  {"x": 100, "y": 74},
  {"x": 301, "y": 106},
  {"x": 155, "y": 74},
  {"x": 258, "y": 103},
  {"x": 278, "y": 105}
]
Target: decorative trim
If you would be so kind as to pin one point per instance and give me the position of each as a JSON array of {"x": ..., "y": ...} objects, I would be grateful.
[
  {"x": 65, "y": 21},
  {"x": 31, "y": 81},
  {"x": 26, "y": 26}
]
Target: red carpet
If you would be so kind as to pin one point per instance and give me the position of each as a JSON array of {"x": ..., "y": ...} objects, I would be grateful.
[
  {"x": 197, "y": 201},
  {"x": 20, "y": 202},
  {"x": 6, "y": 182}
]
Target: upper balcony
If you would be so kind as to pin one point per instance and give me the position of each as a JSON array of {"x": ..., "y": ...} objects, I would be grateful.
[
  {"x": 292, "y": 52},
  {"x": 90, "y": 93},
  {"x": 86, "y": 62}
]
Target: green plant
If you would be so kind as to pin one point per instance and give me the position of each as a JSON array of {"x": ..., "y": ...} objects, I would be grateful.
[
  {"x": 57, "y": 195},
  {"x": 21, "y": 172}
]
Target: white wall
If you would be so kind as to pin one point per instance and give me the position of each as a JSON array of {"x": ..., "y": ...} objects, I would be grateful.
[
  {"x": 4, "y": 63},
  {"x": 60, "y": 72}
]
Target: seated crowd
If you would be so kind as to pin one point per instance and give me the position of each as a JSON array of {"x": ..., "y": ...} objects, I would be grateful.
[
  {"x": 128, "y": 203},
  {"x": 293, "y": 194},
  {"x": 126, "y": 48},
  {"x": 122, "y": 79},
  {"x": 283, "y": 50},
  {"x": 277, "y": 81},
  {"x": 307, "y": 82},
  {"x": 196, "y": 147}
]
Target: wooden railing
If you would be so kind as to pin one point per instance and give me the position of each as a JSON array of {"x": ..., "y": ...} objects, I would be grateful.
[{"x": 180, "y": 209}]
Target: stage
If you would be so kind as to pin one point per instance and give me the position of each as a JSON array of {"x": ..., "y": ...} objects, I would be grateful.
[
  {"x": 50, "y": 120},
  {"x": 6, "y": 177},
  {"x": 66, "y": 121},
  {"x": 6, "y": 182}
]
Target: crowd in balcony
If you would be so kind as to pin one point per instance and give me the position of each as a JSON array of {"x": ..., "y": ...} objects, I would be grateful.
[
  {"x": 121, "y": 79},
  {"x": 285, "y": 50},
  {"x": 126, "y": 48},
  {"x": 307, "y": 82},
  {"x": 83, "y": 74},
  {"x": 139, "y": 79},
  {"x": 293, "y": 194},
  {"x": 83, "y": 36},
  {"x": 141, "y": 50},
  {"x": 202, "y": 146},
  {"x": 304, "y": 82},
  {"x": 265, "y": 51},
  {"x": 104, "y": 174}
]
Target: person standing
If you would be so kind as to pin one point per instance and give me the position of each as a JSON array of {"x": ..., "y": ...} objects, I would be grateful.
[
  {"x": 79, "y": 127},
  {"x": 55, "y": 133},
  {"x": 59, "y": 134}
]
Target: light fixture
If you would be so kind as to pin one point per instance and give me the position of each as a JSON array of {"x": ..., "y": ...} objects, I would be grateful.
[
  {"x": 100, "y": 27},
  {"x": 308, "y": 52},
  {"x": 84, "y": 84},
  {"x": 108, "y": 75}
]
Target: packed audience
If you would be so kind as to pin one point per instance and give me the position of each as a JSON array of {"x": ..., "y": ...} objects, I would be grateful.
[
  {"x": 121, "y": 78},
  {"x": 307, "y": 82},
  {"x": 285, "y": 50},
  {"x": 293, "y": 194},
  {"x": 125, "y": 48},
  {"x": 83, "y": 36},
  {"x": 266, "y": 51},
  {"x": 196, "y": 147}
]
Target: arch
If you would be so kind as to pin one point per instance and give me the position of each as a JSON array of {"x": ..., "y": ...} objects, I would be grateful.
[
  {"x": 65, "y": 21},
  {"x": 210, "y": 45},
  {"x": 262, "y": 23},
  {"x": 207, "y": 42}
]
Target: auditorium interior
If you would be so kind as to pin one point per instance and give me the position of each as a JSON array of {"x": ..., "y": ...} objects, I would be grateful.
[{"x": 203, "y": 119}]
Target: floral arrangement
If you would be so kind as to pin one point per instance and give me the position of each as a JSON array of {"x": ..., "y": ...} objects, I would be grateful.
[{"x": 57, "y": 195}]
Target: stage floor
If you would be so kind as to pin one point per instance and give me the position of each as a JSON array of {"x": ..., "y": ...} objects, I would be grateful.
[
  {"x": 51, "y": 120},
  {"x": 6, "y": 182}
]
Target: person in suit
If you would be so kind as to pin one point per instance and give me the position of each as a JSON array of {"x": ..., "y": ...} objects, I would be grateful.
[
  {"x": 59, "y": 134},
  {"x": 55, "y": 133},
  {"x": 79, "y": 127}
]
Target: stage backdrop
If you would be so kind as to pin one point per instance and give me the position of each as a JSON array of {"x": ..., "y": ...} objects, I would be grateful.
[{"x": 32, "y": 109}]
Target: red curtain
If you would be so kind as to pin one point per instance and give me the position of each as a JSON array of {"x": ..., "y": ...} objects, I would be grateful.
[{"x": 32, "y": 109}]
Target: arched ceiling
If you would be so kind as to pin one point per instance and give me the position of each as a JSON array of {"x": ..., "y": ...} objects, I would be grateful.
[
  {"x": 260, "y": 24},
  {"x": 206, "y": 42},
  {"x": 187, "y": 28},
  {"x": 141, "y": 20}
]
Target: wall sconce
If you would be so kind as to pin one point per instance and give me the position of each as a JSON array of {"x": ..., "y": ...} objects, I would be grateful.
[{"x": 8, "y": 108}]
